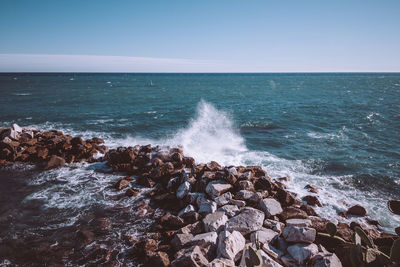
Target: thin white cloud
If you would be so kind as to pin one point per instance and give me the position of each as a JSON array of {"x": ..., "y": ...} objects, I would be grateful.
[{"x": 91, "y": 63}]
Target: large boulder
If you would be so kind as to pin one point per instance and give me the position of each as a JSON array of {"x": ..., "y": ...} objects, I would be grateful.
[
  {"x": 265, "y": 236},
  {"x": 312, "y": 200},
  {"x": 205, "y": 239},
  {"x": 299, "y": 234},
  {"x": 230, "y": 244},
  {"x": 230, "y": 210},
  {"x": 357, "y": 210},
  {"x": 302, "y": 252},
  {"x": 54, "y": 162},
  {"x": 270, "y": 207},
  {"x": 247, "y": 221},
  {"x": 216, "y": 188},
  {"x": 214, "y": 222}
]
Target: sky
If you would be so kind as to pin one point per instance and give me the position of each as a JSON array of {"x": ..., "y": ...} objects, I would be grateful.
[{"x": 200, "y": 36}]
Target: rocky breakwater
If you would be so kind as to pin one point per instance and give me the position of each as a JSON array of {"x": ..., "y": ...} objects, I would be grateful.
[
  {"x": 215, "y": 215},
  {"x": 47, "y": 149}
]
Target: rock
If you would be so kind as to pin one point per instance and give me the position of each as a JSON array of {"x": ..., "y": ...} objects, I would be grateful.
[
  {"x": 265, "y": 236},
  {"x": 309, "y": 210},
  {"x": 171, "y": 221},
  {"x": 311, "y": 188},
  {"x": 223, "y": 199},
  {"x": 190, "y": 217},
  {"x": 205, "y": 239},
  {"x": 17, "y": 128},
  {"x": 191, "y": 257},
  {"x": 270, "y": 206},
  {"x": 131, "y": 192},
  {"x": 121, "y": 184},
  {"x": 246, "y": 185},
  {"x": 312, "y": 200},
  {"x": 264, "y": 183},
  {"x": 357, "y": 210},
  {"x": 180, "y": 240},
  {"x": 243, "y": 195},
  {"x": 158, "y": 259},
  {"x": 216, "y": 188},
  {"x": 283, "y": 179},
  {"x": 207, "y": 207},
  {"x": 302, "y": 252},
  {"x": 327, "y": 260},
  {"x": 194, "y": 196},
  {"x": 215, "y": 222},
  {"x": 284, "y": 197},
  {"x": 299, "y": 222},
  {"x": 230, "y": 244},
  {"x": 194, "y": 229},
  {"x": 267, "y": 261},
  {"x": 213, "y": 166},
  {"x": 274, "y": 225},
  {"x": 257, "y": 197},
  {"x": 247, "y": 221},
  {"x": 292, "y": 212},
  {"x": 247, "y": 176},
  {"x": 222, "y": 262},
  {"x": 54, "y": 162},
  {"x": 42, "y": 153},
  {"x": 230, "y": 210},
  {"x": 183, "y": 190},
  {"x": 187, "y": 209},
  {"x": 299, "y": 234},
  {"x": 238, "y": 203},
  {"x": 318, "y": 223}
]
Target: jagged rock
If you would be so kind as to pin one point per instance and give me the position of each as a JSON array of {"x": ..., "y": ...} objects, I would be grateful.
[
  {"x": 194, "y": 229},
  {"x": 247, "y": 221},
  {"x": 207, "y": 207},
  {"x": 246, "y": 185},
  {"x": 191, "y": 257},
  {"x": 216, "y": 188},
  {"x": 238, "y": 203},
  {"x": 214, "y": 222},
  {"x": 54, "y": 162},
  {"x": 17, "y": 128},
  {"x": 285, "y": 198},
  {"x": 299, "y": 234},
  {"x": 158, "y": 259},
  {"x": 171, "y": 221},
  {"x": 302, "y": 252},
  {"x": 264, "y": 183},
  {"x": 270, "y": 207},
  {"x": 230, "y": 244},
  {"x": 243, "y": 195},
  {"x": 299, "y": 222},
  {"x": 187, "y": 209},
  {"x": 194, "y": 196},
  {"x": 257, "y": 197},
  {"x": 180, "y": 240},
  {"x": 223, "y": 199},
  {"x": 326, "y": 260},
  {"x": 222, "y": 262},
  {"x": 205, "y": 239},
  {"x": 309, "y": 210},
  {"x": 121, "y": 184},
  {"x": 357, "y": 210},
  {"x": 230, "y": 210},
  {"x": 247, "y": 176},
  {"x": 274, "y": 225},
  {"x": 267, "y": 261},
  {"x": 183, "y": 190},
  {"x": 292, "y": 213},
  {"x": 265, "y": 236},
  {"x": 312, "y": 200}
]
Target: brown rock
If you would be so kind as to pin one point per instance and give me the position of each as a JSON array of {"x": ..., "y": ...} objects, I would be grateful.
[
  {"x": 54, "y": 162},
  {"x": 293, "y": 213},
  {"x": 318, "y": 223},
  {"x": 311, "y": 188},
  {"x": 284, "y": 197},
  {"x": 121, "y": 184},
  {"x": 312, "y": 200},
  {"x": 131, "y": 192},
  {"x": 171, "y": 221},
  {"x": 158, "y": 259},
  {"x": 309, "y": 210},
  {"x": 357, "y": 210},
  {"x": 344, "y": 231},
  {"x": 42, "y": 153}
]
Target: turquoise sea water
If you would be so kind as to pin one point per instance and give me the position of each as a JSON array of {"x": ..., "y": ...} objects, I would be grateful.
[{"x": 337, "y": 131}]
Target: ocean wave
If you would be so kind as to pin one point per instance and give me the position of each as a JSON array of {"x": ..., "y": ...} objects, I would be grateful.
[{"x": 22, "y": 94}]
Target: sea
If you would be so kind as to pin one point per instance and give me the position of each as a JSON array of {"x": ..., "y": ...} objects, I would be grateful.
[{"x": 337, "y": 131}]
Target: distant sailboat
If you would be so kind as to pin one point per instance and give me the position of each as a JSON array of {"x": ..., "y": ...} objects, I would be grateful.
[{"x": 151, "y": 83}]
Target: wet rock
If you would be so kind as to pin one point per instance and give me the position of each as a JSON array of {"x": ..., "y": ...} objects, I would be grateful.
[
  {"x": 130, "y": 192},
  {"x": 299, "y": 222},
  {"x": 284, "y": 197},
  {"x": 121, "y": 184},
  {"x": 299, "y": 234},
  {"x": 158, "y": 259},
  {"x": 357, "y": 210},
  {"x": 311, "y": 188},
  {"x": 302, "y": 252},
  {"x": 312, "y": 200},
  {"x": 215, "y": 222},
  {"x": 191, "y": 257},
  {"x": 54, "y": 162},
  {"x": 223, "y": 199},
  {"x": 186, "y": 210},
  {"x": 274, "y": 225},
  {"x": 180, "y": 240},
  {"x": 264, "y": 183},
  {"x": 84, "y": 237},
  {"x": 293, "y": 213},
  {"x": 183, "y": 190},
  {"x": 230, "y": 244},
  {"x": 216, "y": 188},
  {"x": 247, "y": 221},
  {"x": 270, "y": 207},
  {"x": 309, "y": 210},
  {"x": 265, "y": 236},
  {"x": 229, "y": 210},
  {"x": 171, "y": 221}
]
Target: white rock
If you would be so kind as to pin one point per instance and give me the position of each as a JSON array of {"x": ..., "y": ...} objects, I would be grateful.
[
  {"x": 230, "y": 210},
  {"x": 230, "y": 244},
  {"x": 187, "y": 209},
  {"x": 233, "y": 171},
  {"x": 302, "y": 252},
  {"x": 244, "y": 195},
  {"x": 274, "y": 225},
  {"x": 270, "y": 207},
  {"x": 215, "y": 221},
  {"x": 183, "y": 190},
  {"x": 299, "y": 234},
  {"x": 216, "y": 188},
  {"x": 17, "y": 128},
  {"x": 209, "y": 238},
  {"x": 223, "y": 199},
  {"x": 298, "y": 222},
  {"x": 247, "y": 221},
  {"x": 265, "y": 236},
  {"x": 222, "y": 262},
  {"x": 207, "y": 207}
]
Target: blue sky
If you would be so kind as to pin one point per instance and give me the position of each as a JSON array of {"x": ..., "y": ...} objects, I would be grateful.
[{"x": 200, "y": 36}]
